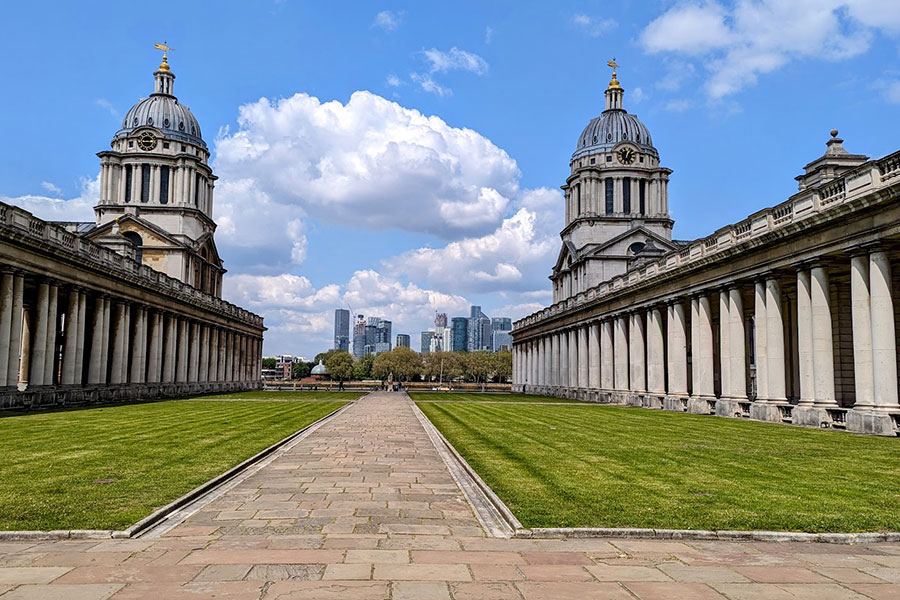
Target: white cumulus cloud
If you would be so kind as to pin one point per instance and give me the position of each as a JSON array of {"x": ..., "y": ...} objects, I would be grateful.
[
  {"x": 739, "y": 41},
  {"x": 80, "y": 208},
  {"x": 369, "y": 163},
  {"x": 387, "y": 20}
]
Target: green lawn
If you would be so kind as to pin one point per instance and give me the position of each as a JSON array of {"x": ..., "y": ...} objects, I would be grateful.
[
  {"x": 482, "y": 397},
  {"x": 283, "y": 395},
  {"x": 605, "y": 466},
  {"x": 108, "y": 467}
]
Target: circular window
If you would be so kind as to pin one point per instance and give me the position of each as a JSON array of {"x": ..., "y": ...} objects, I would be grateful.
[
  {"x": 166, "y": 123},
  {"x": 193, "y": 131},
  {"x": 637, "y": 137},
  {"x": 181, "y": 126},
  {"x": 135, "y": 122},
  {"x": 636, "y": 247},
  {"x": 595, "y": 139},
  {"x": 608, "y": 137},
  {"x": 149, "y": 120}
]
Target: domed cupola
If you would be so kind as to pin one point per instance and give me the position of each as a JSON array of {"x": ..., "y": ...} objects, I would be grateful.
[
  {"x": 614, "y": 126},
  {"x": 163, "y": 112}
]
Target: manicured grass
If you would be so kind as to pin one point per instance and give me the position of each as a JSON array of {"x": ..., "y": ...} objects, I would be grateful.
[
  {"x": 108, "y": 467},
  {"x": 604, "y": 466},
  {"x": 482, "y": 397},
  {"x": 284, "y": 395}
]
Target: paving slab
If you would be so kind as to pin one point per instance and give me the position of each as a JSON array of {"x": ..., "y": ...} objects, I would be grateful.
[{"x": 365, "y": 508}]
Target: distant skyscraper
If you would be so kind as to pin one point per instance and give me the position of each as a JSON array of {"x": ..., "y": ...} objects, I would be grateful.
[
  {"x": 359, "y": 337},
  {"x": 459, "y": 334},
  {"x": 402, "y": 340},
  {"x": 502, "y": 340},
  {"x": 427, "y": 336},
  {"x": 342, "y": 329},
  {"x": 440, "y": 320},
  {"x": 479, "y": 331},
  {"x": 501, "y": 324}
]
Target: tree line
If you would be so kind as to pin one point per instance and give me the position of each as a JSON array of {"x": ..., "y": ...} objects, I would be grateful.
[{"x": 403, "y": 364}]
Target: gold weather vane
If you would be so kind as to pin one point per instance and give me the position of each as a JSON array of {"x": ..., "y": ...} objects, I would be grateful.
[
  {"x": 164, "y": 66},
  {"x": 614, "y": 82}
]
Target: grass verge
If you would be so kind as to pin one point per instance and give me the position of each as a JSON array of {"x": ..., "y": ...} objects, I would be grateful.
[
  {"x": 283, "y": 395},
  {"x": 605, "y": 466},
  {"x": 484, "y": 397},
  {"x": 107, "y": 467}
]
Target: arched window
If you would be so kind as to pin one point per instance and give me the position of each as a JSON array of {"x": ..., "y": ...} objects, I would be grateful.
[
  {"x": 626, "y": 195},
  {"x": 137, "y": 242}
]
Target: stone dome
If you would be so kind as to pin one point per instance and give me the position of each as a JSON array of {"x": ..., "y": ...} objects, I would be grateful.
[
  {"x": 610, "y": 128},
  {"x": 163, "y": 112}
]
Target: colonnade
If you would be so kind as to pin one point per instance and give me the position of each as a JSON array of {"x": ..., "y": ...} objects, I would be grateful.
[
  {"x": 59, "y": 335},
  {"x": 779, "y": 358}
]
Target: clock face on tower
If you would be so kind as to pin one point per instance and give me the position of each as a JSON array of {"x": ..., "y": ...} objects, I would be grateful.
[
  {"x": 147, "y": 141},
  {"x": 626, "y": 156}
]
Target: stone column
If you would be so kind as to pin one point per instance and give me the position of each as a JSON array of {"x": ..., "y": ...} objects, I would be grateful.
[
  {"x": 170, "y": 348},
  {"x": 594, "y": 354},
  {"x": 214, "y": 354},
  {"x": 573, "y": 358},
  {"x": 702, "y": 351},
  {"x": 15, "y": 330},
  {"x": 563, "y": 359},
  {"x": 823, "y": 350},
  {"x": 155, "y": 343},
  {"x": 194, "y": 359},
  {"x": 96, "y": 358},
  {"x": 137, "y": 347},
  {"x": 637, "y": 353},
  {"x": 863, "y": 370},
  {"x": 737, "y": 344},
  {"x": 725, "y": 344},
  {"x": 80, "y": 340},
  {"x": 775, "y": 382},
  {"x": 884, "y": 341},
  {"x": 805, "y": 339},
  {"x": 677, "y": 346},
  {"x": 760, "y": 330},
  {"x": 39, "y": 341},
  {"x": 545, "y": 360},
  {"x": 222, "y": 353},
  {"x": 656, "y": 368},
  {"x": 620, "y": 354},
  {"x": 6, "y": 312},
  {"x": 229, "y": 358},
  {"x": 120, "y": 336},
  {"x": 105, "y": 342},
  {"x": 554, "y": 360},
  {"x": 583, "y": 358},
  {"x": 50, "y": 372},
  {"x": 181, "y": 364},
  {"x": 607, "y": 366},
  {"x": 71, "y": 339}
]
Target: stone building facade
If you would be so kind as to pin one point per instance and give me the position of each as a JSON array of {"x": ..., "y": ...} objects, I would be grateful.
[
  {"x": 128, "y": 306},
  {"x": 787, "y": 316}
]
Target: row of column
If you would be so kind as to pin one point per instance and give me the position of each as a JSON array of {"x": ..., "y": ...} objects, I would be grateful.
[
  {"x": 646, "y": 350},
  {"x": 65, "y": 335},
  {"x": 184, "y": 185}
]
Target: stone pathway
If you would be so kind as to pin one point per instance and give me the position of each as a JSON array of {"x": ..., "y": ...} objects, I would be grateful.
[{"x": 364, "y": 509}]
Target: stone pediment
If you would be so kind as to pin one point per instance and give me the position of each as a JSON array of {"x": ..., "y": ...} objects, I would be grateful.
[
  {"x": 568, "y": 254},
  {"x": 151, "y": 234},
  {"x": 619, "y": 244}
]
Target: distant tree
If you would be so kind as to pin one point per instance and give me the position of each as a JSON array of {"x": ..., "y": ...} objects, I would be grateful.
[
  {"x": 323, "y": 356},
  {"x": 480, "y": 365},
  {"x": 442, "y": 366},
  {"x": 300, "y": 370},
  {"x": 503, "y": 366},
  {"x": 269, "y": 363},
  {"x": 362, "y": 369},
  {"x": 401, "y": 363},
  {"x": 382, "y": 366},
  {"x": 340, "y": 365}
]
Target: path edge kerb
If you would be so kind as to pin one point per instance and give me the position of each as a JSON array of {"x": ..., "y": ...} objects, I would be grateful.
[
  {"x": 642, "y": 533},
  {"x": 161, "y": 513}
]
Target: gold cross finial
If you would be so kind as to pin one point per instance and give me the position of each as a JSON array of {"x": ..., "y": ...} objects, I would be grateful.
[{"x": 164, "y": 66}]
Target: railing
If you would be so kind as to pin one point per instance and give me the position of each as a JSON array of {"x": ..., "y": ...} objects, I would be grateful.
[
  {"x": 13, "y": 217},
  {"x": 798, "y": 208}
]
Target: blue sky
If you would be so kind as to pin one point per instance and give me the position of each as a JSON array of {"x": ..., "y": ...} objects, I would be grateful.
[{"x": 406, "y": 157}]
